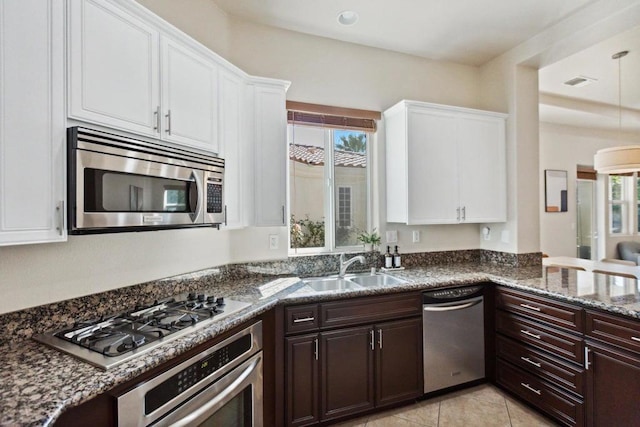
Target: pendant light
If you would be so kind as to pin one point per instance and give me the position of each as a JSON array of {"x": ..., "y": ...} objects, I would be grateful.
[{"x": 624, "y": 159}]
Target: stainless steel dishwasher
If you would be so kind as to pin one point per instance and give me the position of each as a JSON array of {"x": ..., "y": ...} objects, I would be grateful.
[{"x": 453, "y": 336}]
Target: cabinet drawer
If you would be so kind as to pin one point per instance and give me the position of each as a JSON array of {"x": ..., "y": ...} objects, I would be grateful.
[
  {"x": 540, "y": 336},
  {"x": 301, "y": 318},
  {"x": 540, "y": 363},
  {"x": 562, "y": 406},
  {"x": 547, "y": 310},
  {"x": 614, "y": 330},
  {"x": 370, "y": 309}
]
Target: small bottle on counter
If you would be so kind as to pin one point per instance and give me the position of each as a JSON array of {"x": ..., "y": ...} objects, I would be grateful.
[
  {"x": 396, "y": 259},
  {"x": 388, "y": 259}
]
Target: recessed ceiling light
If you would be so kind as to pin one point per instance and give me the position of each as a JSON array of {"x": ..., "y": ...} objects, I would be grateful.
[
  {"x": 580, "y": 81},
  {"x": 347, "y": 17}
]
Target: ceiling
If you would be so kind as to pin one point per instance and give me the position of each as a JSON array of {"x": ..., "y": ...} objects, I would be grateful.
[
  {"x": 463, "y": 31},
  {"x": 471, "y": 32}
]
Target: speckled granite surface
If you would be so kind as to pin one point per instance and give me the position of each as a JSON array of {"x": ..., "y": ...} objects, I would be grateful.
[{"x": 38, "y": 383}]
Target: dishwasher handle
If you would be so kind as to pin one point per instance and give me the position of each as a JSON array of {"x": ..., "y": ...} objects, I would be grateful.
[{"x": 452, "y": 306}]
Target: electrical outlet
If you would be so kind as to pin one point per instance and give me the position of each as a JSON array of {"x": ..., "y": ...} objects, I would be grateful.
[
  {"x": 274, "y": 241},
  {"x": 416, "y": 236},
  {"x": 392, "y": 236}
]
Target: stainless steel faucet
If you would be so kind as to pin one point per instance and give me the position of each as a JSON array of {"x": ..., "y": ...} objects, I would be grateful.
[{"x": 345, "y": 264}]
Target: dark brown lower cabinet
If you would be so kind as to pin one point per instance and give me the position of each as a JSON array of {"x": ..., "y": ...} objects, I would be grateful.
[
  {"x": 613, "y": 391},
  {"x": 347, "y": 372},
  {"x": 341, "y": 372}
]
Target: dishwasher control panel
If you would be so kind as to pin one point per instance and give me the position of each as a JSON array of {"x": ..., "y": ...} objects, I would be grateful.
[{"x": 451, "y": 294}]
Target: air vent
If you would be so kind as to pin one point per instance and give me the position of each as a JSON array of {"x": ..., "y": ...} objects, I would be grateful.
[{"x": 580, "y": 81}]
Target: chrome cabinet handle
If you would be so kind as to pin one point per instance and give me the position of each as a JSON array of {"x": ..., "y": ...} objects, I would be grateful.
[
  {"x": 283, "y": 223},
  {"x": 530, "y": 334},
  {"x": 168, "y": 116},
  {"x": 373, "y": 340},
  {"x": 60, "y": 213},
  {"x": 586, "y": 357},
  {"x": 530, "y": 307},
  {"x": 304, "y": 319},
  {"x": 316, "y": 350},
  {"x": 380, "y": 338},
  {"x": 458, "y": 214},
  {"x": 464, "y": 213},
  {"x": 157, "y": 119},
  {"x": 528, "y": 387},
  {"x": 635, "y": 339},
  {"x": 526, "y": 359},
  {"x": 225, "y": 215}
]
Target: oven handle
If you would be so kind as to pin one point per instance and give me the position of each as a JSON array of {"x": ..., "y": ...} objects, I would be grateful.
[
  {"x": 471, "y": 303},
  {"x": 232, "y": 388},
  {"x": 199, "y": 200}
]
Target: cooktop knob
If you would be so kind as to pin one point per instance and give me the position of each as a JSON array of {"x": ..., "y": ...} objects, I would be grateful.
[
  {"x": 201, "y": 298},
  {"x": 211, "y": 299},
  {"x": 191, "y": 296},
  {"x": 220, "y": 301}
]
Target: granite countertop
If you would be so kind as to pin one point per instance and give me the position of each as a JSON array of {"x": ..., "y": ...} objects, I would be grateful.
[{"x": 37, "y": 383}]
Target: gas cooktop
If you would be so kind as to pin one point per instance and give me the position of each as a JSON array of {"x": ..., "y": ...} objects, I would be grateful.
[{"x": 110, "y": 341}]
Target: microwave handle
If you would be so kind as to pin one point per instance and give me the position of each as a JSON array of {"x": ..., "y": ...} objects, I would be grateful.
[{"x": 195, "y": 216}]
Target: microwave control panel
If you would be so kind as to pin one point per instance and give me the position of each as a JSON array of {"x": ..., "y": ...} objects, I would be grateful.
[{"x": 214, "y": 198}]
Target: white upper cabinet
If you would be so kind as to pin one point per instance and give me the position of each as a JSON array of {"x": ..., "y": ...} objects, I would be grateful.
[
  {"x": 189, "y": 97},
  {"x": 124, "y": 73},
  {"x": 233, "y": 148},
  {"x": 113, "y": 68},
  {"x": 445, "y": 165},
  {"x": 270, "y": 151},
  {"x": 32, "y": 118}
]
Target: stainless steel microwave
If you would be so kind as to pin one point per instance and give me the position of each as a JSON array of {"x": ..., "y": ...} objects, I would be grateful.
[{"x": 121, "y": 184}]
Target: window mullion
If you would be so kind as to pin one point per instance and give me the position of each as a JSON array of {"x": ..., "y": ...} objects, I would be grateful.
[{"x": 329, "y": 199}]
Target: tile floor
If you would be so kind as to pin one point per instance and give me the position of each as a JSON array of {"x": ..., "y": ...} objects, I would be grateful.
[{"x": 483, "y": 405}]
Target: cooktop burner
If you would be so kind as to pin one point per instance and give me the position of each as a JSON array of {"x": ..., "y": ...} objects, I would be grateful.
[{"x": 107, "y": 342}]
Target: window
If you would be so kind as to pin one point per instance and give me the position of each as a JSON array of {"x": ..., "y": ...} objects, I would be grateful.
[
  {"x": 344, "y": 207},
  {"x": 620, "y": 195},
  {"x": 329, "y": 181}
]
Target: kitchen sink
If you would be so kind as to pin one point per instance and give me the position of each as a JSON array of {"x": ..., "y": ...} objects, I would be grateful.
[
  {"x": 377, "y": 279},
  {"x": 330, "y": 284},
  {"x": 350, "y": 282}
]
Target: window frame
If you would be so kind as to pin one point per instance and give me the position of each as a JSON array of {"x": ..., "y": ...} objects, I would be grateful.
[
  {"x": 628, "y": 203},
  {"x": 329, "y": 193}
]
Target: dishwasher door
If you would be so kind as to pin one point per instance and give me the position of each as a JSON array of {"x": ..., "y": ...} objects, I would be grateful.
[{"x": 453, "y": 340}]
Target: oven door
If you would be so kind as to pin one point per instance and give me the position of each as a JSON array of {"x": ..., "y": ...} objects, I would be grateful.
[
  {"x": 114, "y": 191},
  {"x": 233, "y": 401}
]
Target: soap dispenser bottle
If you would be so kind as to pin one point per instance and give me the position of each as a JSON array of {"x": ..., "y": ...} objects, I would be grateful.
[
  {"x": 388, "y": 258},
  {"x": 396, "y": 259}
]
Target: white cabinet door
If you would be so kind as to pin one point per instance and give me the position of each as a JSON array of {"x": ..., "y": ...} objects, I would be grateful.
[
  {"x": 445, "y": 165},
  {"x": 113, "y": 68},
  {"x": 433, "y": 169},
  {"x": 270, "y": 147},
  {"x": 481, "y": 161},
  {"x": 233, "y": 150},
  {"x": 32, "y": 150},
  {"x": 189, "y": 91}
]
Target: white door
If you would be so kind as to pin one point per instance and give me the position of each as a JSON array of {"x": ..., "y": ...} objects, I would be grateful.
[
  {"x": 189, "y": 91},
  {"x": 231, "y": 146},
  {"x": 270, "y": 147},
  {"x": 432, "y": 180},
  {"x": 113, "y": 68},
  {"x": 32, "y": 149},
  {"x": 482, "y": 168}
]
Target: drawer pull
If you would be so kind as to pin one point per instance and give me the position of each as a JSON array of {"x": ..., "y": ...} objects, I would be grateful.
[
  {"x": 526, "y": 359},
  {"x": 586, "y": 358},
  {"x": 635, "y": 339},
  {"x": 529, "y": 334},
  {"x": 304, "y": 319},
  {"x": 528, "y": 387},
  {"x": 530, "y": 307}
]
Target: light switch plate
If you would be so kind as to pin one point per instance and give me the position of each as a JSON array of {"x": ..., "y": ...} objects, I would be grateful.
[
  {"x": 392, "y": 236},
  {"x": 416, "y": 236},
  {"x": 274, "y": 241}
]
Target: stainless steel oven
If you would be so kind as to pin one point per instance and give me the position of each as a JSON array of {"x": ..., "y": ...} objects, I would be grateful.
[
  {"x": 123, "y": 184},
  {"x": 219, "y": 387}
]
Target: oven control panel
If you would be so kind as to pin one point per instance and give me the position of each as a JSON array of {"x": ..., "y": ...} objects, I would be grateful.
[
  {"x": 194, "y": 373},
  {"x": 452, "y": 294},
  {"x": 214, "y": 198}
]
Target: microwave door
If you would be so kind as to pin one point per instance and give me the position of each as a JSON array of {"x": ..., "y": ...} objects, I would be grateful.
[{"x": 126, "y": 192}]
